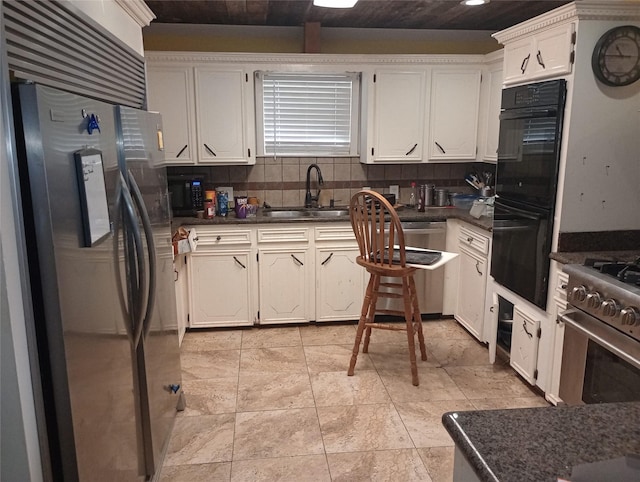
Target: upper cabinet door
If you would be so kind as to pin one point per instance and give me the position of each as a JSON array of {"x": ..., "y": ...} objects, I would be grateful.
[
  {"x": 398, "y": 117},
  {"x": 222, "y": 113},
  {"x": 545, "y": 54},
  {"x": 170, "y": 91},
  {"x": 492, "y": 119},
  {"x": 453, "y": 123}
]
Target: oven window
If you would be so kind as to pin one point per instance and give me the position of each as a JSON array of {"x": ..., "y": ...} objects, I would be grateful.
[{"x": 609, "y": 379}]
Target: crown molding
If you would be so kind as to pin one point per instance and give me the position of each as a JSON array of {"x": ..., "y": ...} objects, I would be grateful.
[
  {"x": 313, "y": 59},
  {"x": 137, "y": 10},
  {"x": 580, "y": 10}
]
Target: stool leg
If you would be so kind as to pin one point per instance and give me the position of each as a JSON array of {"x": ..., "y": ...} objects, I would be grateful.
[
  {"x": 408, "y": 316},
  {"x": 366, "y": 304},
  {"x": 417, "y": 317},
  {"x": 372, "y": 311}
]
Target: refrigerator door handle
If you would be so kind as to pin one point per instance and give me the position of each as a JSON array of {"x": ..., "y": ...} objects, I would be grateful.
[
  {"x": 135, "y": 312},
  {"x": 151, "y": 252}
]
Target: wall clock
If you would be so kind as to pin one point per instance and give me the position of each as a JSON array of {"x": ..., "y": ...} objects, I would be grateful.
[{"x": 616, "y": 56}]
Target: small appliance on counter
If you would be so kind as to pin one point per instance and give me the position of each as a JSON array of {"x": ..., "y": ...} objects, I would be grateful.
[{"x": 187, "y": 194}]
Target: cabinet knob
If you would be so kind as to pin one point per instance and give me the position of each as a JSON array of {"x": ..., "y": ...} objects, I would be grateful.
[
  {"x": 218, "y": 238},
  {"x": 469, "y": 239}
]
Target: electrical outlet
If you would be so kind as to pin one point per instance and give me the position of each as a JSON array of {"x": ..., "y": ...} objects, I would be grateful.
[{"x": 395, "y": 189}]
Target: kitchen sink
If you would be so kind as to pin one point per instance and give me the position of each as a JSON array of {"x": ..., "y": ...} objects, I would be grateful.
[{"x": 306, "y": 213}]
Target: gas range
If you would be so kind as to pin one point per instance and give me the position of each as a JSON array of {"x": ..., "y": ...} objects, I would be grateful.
[{"x": 608, "y": 291}]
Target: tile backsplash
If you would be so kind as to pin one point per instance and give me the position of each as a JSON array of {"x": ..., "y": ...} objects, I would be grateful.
[{"x": 281, "y": 181}]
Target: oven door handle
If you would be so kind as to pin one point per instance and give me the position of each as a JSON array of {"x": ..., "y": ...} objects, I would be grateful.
[
  {"x": 616, "y": 342},
  {"x": 528, "y": 114}
]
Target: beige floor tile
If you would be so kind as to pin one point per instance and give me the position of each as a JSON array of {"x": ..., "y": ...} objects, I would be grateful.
[
  {"x": 304, "y": 468},
  {"x": 500, "y": 403},
  {"x": 458, "y": 352},
  {"x": 489, "y": 381},
  {"x": 207, "y": 397},
  {"x": 396, "y": 357},
  {"x": 269, "y": 337},
  {"x": 336, "y": 388},
  {"x": 334, "y": 358},
  {"x": 439, "y": 462},
  {"x": 273, "y": 390},
  {"x": 279, "y": 359},
  {"x": 323, "y": 334},
  {"x": 358, "y": 428},
  {"x": 210, "y": 364},
  {"x": 378, "y": 466},
  {"x": 435, "y": 384},
  {"x": 447, "y": 328},
  {"x": 201, "y": 340},
  {"x": 423, "y": 420},
  {"x": 220, "y": 472},
  {"x": 201, "y": 440},
  {"x": 277, "y": 433}
]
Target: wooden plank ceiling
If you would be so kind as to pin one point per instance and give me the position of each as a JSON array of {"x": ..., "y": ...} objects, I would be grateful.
[{"x": 405, "y": 14}]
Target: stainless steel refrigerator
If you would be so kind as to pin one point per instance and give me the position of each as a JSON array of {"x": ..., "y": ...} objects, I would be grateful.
[{"x": 97, "y": 222}]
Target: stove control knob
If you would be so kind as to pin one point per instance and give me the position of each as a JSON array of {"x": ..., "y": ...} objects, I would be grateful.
[
  {"x": 594, "y": 300},
  {"x": 610, "y": 308},
  {"x": 630, "y": 316},
  {"x": 579, "y": 293}
]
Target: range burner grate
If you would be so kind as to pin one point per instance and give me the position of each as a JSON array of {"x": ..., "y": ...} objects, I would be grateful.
[{"x": 625, "y": 272}]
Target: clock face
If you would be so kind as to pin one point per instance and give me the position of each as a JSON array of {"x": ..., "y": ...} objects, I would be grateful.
[{"x": 616, "y": 56}]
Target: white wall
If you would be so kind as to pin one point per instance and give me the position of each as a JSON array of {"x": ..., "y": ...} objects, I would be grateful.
[{"x": 602, "y": 177}]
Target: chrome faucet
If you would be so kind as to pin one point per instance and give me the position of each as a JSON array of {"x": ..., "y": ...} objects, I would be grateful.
[{"x": 309, "y": 200}]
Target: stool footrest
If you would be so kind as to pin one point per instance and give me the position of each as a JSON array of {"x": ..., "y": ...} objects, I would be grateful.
[{"x": 383, "y": 326}]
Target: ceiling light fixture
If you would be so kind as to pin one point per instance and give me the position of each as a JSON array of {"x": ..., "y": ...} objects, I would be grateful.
[
  {"x": 334, "y": 3},
  {"x": 472, "y": 3}
]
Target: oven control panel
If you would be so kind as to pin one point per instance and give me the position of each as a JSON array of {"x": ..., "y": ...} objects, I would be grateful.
[{"x": 608, "y": 303}]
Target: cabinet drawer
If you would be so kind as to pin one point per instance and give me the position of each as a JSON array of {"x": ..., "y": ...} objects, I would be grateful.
[
  {"x": 562, "y": 280},
  {"x": 474, "y": 240},
  {"x": 334, "y": 233},
  {"x": 223, "y": 237},
  {"x": 283, "y": 235}
]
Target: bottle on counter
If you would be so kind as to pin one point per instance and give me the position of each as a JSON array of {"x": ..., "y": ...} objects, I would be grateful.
[
  {"x": 412, "y": 196},
  {"x": 209, "y": 209},
  {"x": 421, "y": 197}
]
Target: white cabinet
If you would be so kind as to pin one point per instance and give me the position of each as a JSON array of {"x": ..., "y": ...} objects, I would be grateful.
[
  {"x": 208, "y": 113},
  {"x": 524, "y": 345},
  {"x": 170, "y": 92},
  {"x": 222, "y": 279},
  {"x": 558, "y": 305},
  {"x": 472, "y": 279},
  {"x": 492, "y": 113},
  {"x": 396, "y": 114},
  {"x": 544, "y": 54},
  {"x": 223, "y": 116},
  {"x": 453, "y": 121},
  {"x": 182, "y": 293},
  {"x": 285, "y": 275},
  {"x": 340, "y": 281}
]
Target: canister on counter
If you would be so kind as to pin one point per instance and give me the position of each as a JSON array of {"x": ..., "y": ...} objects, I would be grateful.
[
  {"x": 442, "y": 197},
  {"x": 241, "y": 207},
  {"x": 429, "y": 194},
  {"x": 209, "y": 208}
]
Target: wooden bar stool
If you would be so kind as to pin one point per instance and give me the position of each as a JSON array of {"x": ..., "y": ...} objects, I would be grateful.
[{"x": 378, "y": 231}]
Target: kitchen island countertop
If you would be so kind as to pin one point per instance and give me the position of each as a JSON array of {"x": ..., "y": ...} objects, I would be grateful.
[
  {"x": 406, "y": 214},
  {"x": 543, "y": 444}
]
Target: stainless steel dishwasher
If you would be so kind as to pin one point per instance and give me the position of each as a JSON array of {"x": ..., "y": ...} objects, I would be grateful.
[{"x": 429, "y": 284}]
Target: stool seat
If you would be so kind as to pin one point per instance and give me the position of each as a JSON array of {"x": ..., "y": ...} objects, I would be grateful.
[{"x": 380, "y": 239}]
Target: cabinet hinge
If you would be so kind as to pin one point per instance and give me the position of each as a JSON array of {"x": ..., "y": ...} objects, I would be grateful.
[
  {"x": 374, "y": 78},
  {"x": 535, "y": 374},
  {"x": 573, "y": 38},
  {"x": 258, "y": 314},
  {"x": 188, "y": 317},
  {"x": 185, "y": 259},
  {"x": 539, "y": 332},
  {"x": 372, "y": 151},
  {"x": 481, "y": 78},
  {"x": 246, "y": 77},
  {"x": 572, "y": 57},
  {"x": 258, "y": 257},
  {"x": 249, "y": 152}
]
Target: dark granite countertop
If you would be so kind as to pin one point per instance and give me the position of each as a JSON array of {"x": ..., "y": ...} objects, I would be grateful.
[
  {"x": 579, "y": 257},
  {"x": 431, "y": 214},
  {"x": 542, "y": 444}
]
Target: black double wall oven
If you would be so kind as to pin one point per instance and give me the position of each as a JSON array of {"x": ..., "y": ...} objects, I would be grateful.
[{"x": 526, "y": 181}]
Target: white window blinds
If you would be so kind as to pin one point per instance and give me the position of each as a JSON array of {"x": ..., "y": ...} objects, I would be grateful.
[{"x": 308, "y": 114}]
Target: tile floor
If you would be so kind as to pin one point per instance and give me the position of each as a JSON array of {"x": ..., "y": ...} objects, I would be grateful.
[{"x": 266, "y": 404}]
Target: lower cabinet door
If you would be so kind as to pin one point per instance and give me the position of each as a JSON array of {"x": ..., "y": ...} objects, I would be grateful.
[
  {"x": 285, "y": 286},
  {"x": 221, "y": 291},
  {"x": 472, "y": 283},
  {"x": 524, "y": 345},
  {"x": 339, "y": 284}
]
